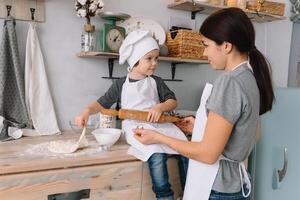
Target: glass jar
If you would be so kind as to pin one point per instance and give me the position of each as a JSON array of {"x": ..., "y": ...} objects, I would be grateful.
[
  {"x": 87, "y": 41},
  {"x": 88, "y": 38},
  {"x": 107, "y": 121}
]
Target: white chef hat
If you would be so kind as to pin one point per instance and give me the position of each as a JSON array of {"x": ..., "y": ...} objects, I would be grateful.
[{"x": 135, "y": 46}]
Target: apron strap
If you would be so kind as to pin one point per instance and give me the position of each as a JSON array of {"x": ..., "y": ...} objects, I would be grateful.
[{"x": 244, "y": 179}]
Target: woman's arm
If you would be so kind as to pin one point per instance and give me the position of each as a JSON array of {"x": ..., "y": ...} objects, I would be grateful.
[{"x": 216, "y": 135}]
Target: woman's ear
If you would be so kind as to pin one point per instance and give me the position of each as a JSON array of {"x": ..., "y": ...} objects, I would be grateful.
[{"x": 228, "y": 47}]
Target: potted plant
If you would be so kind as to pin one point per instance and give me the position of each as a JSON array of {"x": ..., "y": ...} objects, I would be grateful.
[{"x": 88, "y": 9}]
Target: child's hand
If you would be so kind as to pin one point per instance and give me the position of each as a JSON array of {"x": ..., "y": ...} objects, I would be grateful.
[
  {"x": 154, "y": 113},
  {"x": 186, "y": 124},
  {"x": 82, "y": 118}
]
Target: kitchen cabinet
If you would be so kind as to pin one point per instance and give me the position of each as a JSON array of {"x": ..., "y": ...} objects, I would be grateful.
[
  {"x": 277, "y": 160},
  {"x": 28, "y": 173}
]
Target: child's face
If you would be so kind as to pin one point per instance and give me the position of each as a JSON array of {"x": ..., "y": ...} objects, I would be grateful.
[
  {"x": 215, "y": 54},
  {"x": 148, "y": 63}
]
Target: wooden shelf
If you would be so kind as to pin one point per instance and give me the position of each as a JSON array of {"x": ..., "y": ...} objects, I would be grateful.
[
  {"x": 92, "y": 54},
  {"x": 113, "y": 56},
  {"x": 207, "y": 8}
]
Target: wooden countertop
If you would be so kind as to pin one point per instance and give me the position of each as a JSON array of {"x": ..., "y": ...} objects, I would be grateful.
[{"x": 31, "y": 154}]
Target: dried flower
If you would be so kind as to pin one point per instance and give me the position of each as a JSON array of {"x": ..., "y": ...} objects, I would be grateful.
[
  {"x": 81, "y": 13},
  {"x": 88, "y": 8}
]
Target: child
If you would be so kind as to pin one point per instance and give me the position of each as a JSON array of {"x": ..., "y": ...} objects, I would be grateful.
[{"x": 141, "y": 90}]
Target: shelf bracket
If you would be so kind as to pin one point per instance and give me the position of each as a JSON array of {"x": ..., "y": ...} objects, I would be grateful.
[
  {"x": 173, "y": 71},
  {"x": 110, "y": 69},
  {"x": 193, "y": 13}
]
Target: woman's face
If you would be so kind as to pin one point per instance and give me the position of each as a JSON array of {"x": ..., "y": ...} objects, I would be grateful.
[
  {"x": 215, "y": 53},
  {"x": 148, "y": 63}
]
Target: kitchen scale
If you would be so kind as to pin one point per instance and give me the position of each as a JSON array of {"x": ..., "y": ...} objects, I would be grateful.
[{"x": 111, "y": 35}]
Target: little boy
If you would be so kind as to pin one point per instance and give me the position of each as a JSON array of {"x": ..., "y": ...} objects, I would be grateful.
[{"x": 141, "y": 90}]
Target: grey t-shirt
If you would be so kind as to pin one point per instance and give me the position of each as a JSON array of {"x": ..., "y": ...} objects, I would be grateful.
[
  {"x": 113, "y": 95},
  {"x": 235, "y": 96}
]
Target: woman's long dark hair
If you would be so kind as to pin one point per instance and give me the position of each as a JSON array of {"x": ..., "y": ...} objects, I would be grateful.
[{"x": 233, "y": 25}]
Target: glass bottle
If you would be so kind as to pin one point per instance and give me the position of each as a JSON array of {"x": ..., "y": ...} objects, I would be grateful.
[{"x": 88, "y": 38}]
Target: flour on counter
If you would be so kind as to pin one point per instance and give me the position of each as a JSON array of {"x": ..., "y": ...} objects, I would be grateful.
[
  {"x": 67, "y": 146},
  {"x": 42, "y": 149}
]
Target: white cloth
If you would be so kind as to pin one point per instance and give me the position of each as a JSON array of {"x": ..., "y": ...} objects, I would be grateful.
[
  {"x": 137, "y": 44},
  {"x": 37, "y": 94},
  {"x": 143, "y": 95},
  {"x": 201, "y": 176}
]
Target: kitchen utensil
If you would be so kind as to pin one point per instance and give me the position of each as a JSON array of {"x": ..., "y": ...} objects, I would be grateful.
[
  {"x": 106, "y": 137},
  {"x": 137, "y": 115}
]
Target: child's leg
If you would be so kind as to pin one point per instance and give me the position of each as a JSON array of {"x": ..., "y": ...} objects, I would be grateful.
[
  {"x": 159, "y": 175},
  {"x": 183, "y": 167}
]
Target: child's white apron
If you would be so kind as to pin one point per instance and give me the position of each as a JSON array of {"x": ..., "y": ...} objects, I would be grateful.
[{"x": 143, "y": 95}]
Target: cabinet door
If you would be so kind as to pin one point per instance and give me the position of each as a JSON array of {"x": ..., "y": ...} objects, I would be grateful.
[{"x": 280, "y": 129}]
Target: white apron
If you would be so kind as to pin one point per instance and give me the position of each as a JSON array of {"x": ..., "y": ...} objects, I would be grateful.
[
  {"x": 143, "y": 95},
  {"x": 201, "y": 176}
]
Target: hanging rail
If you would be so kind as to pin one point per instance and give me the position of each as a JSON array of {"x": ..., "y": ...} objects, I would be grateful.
[{"x": 25, "y": 10}]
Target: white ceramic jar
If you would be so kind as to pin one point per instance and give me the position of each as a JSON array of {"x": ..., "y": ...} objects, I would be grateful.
[{"x": 107, "y": 121}]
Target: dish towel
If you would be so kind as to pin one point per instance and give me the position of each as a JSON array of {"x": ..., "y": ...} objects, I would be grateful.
[
  {"x": 38, "y": 98},
  {"x": 12, "y": 95}
]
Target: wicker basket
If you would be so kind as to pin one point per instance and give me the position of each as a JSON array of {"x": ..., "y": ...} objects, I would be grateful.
[
  {"x": 270, "y": 7},
  {"x": 185, "y": 44}
]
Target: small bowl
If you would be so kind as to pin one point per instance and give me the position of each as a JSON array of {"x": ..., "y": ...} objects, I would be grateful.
[{"x": 106, "y": 137}]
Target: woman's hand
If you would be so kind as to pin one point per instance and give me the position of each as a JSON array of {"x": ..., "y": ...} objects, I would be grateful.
[
  {"x": 146, "y": 136},
  {"x": 154, "y": 113},
  {"x": 82, "y": 119},
  {"x": 186, "y": 124}
]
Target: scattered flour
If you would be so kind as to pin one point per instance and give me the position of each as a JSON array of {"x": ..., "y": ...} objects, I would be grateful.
[
  {"x": 67, "y": 146},
  {"x": 42, "y": 149}
]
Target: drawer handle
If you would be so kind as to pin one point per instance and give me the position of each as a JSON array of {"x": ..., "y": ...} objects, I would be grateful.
[{"x": 78, "y": 195}]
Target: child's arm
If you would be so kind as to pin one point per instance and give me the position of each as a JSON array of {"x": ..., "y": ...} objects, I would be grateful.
[
  {"x": 156, "y": 111},
  {"x": 83, "y": 117},
  {"x": 106, "y": 101}
]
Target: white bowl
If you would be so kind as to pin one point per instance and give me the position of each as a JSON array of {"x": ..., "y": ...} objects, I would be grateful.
[{"x": 106, "y": 137}]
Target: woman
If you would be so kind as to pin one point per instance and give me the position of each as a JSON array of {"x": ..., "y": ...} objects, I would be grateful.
[{"x": 225, "y": 126}]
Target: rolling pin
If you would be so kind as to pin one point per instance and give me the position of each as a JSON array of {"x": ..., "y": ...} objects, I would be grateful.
[{"x": 137, "y": 115}]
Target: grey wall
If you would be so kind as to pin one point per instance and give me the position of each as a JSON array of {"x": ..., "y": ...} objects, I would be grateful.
[{"x": 75, "y": 82}]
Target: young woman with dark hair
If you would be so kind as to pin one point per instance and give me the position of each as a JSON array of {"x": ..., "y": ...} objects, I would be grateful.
[{"x": 227, "y": 120}]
